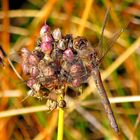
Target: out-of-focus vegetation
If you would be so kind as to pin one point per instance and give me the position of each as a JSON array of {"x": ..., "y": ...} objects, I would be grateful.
[{"x": 85, "y": 118}]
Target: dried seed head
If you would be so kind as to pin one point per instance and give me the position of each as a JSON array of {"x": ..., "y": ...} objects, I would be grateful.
[
  {"x": 45, "y": 29},
  {"x": 57, "y": 34},
  {"x": 68, "y": 55},
  {"x": 46, "y": 47}
]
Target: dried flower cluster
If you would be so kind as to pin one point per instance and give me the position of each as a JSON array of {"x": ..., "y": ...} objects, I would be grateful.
[{"x": 57, "y": 61}]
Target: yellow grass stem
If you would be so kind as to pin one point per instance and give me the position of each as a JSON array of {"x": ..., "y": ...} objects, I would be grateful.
[
  {"x": 60, "y": 124},
  {"x": 60, "y": 120}
]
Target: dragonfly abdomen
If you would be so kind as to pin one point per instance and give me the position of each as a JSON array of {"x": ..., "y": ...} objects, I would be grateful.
[{"x": 105, "y": 101}]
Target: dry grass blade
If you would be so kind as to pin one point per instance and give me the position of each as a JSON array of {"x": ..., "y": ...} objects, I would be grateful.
[
  {"x": 85, "y": 16},
  {"x": 27, "y": 110}
]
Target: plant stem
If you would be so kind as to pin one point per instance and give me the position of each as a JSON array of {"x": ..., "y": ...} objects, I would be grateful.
[{"x": 60, "y": 124}]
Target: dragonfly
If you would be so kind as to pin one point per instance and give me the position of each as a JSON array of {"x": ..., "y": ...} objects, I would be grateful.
[
  {"x": 92, "y": 58},
  {"x": 58, "y": 61}
]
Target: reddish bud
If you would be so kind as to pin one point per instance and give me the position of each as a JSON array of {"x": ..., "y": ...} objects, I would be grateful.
[
  {"x": 34, "y": 71},
  {"x": 46, "y": 47},
  {"x": 45, "y": 29},
  {"x": 33, "y": 60},
  {"x": 47, "y": 38},
  {"x": 68, "y": 55}
]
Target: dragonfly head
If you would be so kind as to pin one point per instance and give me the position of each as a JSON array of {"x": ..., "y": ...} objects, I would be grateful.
[{"x": 80, "y": 43}]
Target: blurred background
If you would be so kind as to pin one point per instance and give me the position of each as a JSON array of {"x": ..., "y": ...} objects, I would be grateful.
[{"x": 85, "y": 119}]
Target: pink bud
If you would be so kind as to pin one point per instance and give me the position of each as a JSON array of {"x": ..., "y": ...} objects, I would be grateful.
[
  {"x": 68, "y": 55},
  {"x": 33, "y": 60},
  {"x": 45, "y": 29},
  {"x": 34, "y": 71},
  {"x": 47, "y": 38},
  {"x": 46, "y": 47}
]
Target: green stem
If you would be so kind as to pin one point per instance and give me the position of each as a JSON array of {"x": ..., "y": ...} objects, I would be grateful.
[{"x": 60, "y": 124}]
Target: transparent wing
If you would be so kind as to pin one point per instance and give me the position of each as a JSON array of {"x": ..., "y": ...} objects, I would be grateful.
[
  {"x": 15, "y": 57},
  {"x": 108, "y": 45},
  {"x": 103, "y": 28},
  {"x": 10, "y": 62}
]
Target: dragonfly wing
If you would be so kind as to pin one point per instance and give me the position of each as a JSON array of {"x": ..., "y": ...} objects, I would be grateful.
[
  {"x": 100, "y": 44},
  {"x": 15, "y": 57},
  {"x": 109, "y": 44}
]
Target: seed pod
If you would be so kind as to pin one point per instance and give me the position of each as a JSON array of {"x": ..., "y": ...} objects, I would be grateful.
[
  {"x": 48, "y": 71},
  {"x": 57, "y": 34},
  {"x": 47, "y": 38},
  {"x": 61, "y": 44},
  {"x": 51, "y": 104},
  {"x": 46, "y": 47},
  {"x": 33, "y": 59},
  {"x": 62, "y": 103},
  {"x": 45, "y": 29},
  {"x": 34, "y": 71},
  {"x": 75, "y": 70},
  {"x": 76, "y": 82},
  {"x": 68, "y": 55}
]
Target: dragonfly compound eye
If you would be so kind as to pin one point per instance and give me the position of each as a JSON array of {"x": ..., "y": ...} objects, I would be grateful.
[{"x": 80, "y": 43}]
